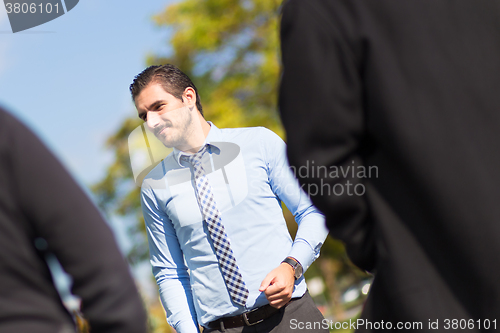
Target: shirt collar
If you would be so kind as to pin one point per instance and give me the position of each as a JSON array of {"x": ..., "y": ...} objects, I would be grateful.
[{"x": 213, "y": 138}]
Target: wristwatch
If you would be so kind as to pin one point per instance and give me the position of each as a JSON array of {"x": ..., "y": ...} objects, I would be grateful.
[{"x": 297, "y": 267}]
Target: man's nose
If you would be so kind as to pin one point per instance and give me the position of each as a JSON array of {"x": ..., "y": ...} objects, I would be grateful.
[{"x": 152, "y": 119}]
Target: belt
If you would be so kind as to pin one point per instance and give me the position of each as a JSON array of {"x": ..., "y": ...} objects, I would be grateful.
[{"x": 249, "y": 318}]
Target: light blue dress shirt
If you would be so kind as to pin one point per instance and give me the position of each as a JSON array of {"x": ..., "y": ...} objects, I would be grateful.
[{"x": 250, "y": 177}]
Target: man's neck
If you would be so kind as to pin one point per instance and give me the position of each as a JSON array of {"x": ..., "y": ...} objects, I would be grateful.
[{"x": 198, "y": 135}]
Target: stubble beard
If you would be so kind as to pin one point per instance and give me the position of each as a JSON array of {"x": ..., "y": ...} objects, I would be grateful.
[{"x": 182, "y": 130}]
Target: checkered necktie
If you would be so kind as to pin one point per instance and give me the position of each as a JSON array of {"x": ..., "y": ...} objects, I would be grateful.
[{"x": 234, "y": 282}]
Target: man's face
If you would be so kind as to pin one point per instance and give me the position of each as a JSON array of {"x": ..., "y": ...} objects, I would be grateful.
[{"x": 166, "y": 116}]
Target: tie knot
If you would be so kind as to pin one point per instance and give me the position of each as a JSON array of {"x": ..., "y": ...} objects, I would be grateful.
[{"x": 196, "y": 158}]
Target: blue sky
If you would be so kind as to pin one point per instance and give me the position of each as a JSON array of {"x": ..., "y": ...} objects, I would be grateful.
[{"x": 68, "y": 79}]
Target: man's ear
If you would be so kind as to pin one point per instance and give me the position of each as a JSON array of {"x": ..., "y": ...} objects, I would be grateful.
[{"x": 189, "y": 97}]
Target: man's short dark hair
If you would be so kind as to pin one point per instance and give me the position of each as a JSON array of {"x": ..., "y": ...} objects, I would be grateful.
[{"x": 171, "y": 78}]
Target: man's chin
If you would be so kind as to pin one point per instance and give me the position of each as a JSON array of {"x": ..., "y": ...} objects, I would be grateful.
[{"x": 165, "y": 141}]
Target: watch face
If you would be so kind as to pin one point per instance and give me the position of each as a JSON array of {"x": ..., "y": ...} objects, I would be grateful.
[
  {"x": 296, "y": 267},
  {"x": 298, "y": 272}
]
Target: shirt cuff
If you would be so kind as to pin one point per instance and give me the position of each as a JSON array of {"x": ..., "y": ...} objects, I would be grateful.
[{"x": 303, "y": 252}]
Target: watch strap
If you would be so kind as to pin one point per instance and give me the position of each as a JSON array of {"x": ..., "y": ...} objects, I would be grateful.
[{"x": 297, "y": 267}]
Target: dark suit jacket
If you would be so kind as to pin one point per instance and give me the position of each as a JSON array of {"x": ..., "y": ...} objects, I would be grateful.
[
  {"x": 411, "y": 88},
  {"x": 38, "y": 199}
]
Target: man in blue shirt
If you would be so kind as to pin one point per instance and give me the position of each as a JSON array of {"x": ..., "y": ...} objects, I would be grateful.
[{"x": 219, "y": 245}]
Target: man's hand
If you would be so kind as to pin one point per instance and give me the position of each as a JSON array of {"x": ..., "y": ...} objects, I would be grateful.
[{"x": 278, "y": 285}]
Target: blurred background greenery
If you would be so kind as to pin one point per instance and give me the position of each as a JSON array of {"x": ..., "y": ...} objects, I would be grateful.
[{"x": 230, "y": 49}]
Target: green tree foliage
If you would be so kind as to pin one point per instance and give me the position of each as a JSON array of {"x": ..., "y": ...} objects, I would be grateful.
[{"x": 230, "y": 49}]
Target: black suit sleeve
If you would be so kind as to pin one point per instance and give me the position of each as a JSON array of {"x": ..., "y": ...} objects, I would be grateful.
[
  {"x": 56, "y": 209},
  {"x": 321, "y": 107}
]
